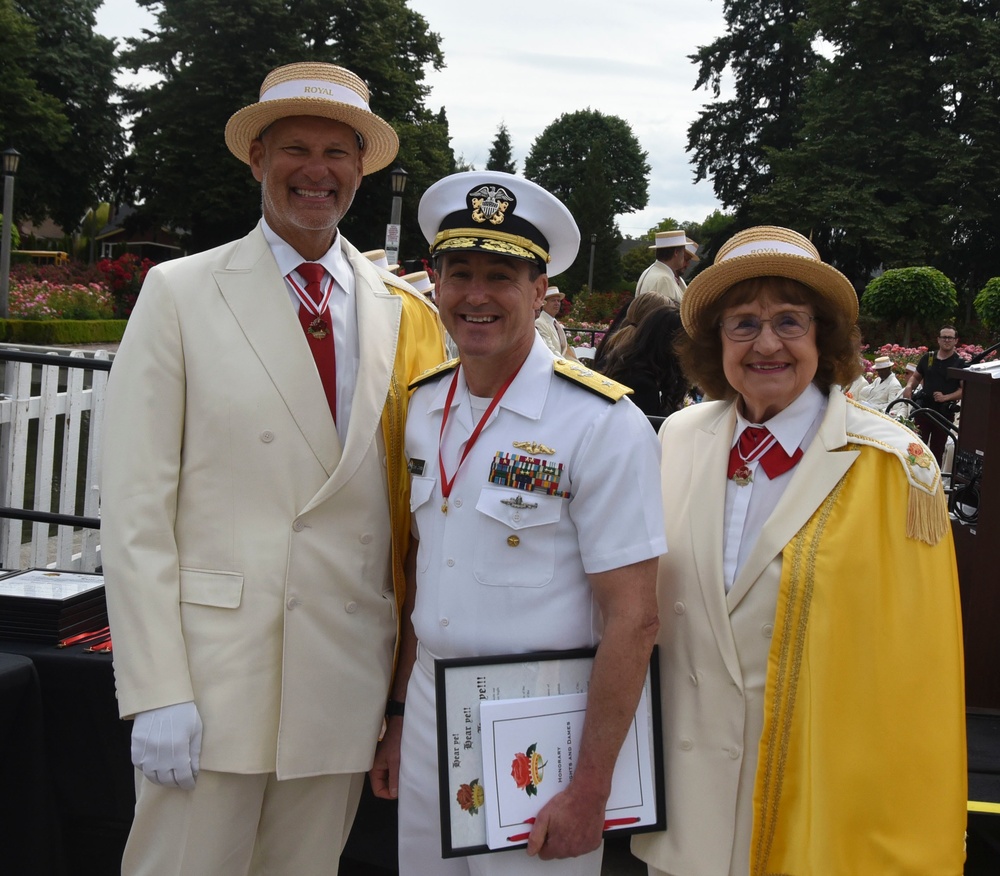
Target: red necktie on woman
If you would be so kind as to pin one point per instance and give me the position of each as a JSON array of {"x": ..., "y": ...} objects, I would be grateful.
[
  {"x": 775, "y": 461},
  {"x": 316, "y": 323}
]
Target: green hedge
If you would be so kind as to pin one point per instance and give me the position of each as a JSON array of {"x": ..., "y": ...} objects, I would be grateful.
[{"x": 62, "y": 331}]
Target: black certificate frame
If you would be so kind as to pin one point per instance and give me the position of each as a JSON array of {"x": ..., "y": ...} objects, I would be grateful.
[{"x": 538, "y": 670}]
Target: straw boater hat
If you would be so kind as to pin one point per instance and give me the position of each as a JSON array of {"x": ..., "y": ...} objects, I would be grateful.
[
  {"x": 765, "y": 251},
  {"x": 553, "y": 292},
  {"x": 882, "y": 362},
  {"x": 670, "y": 239},
  {"x": 314, "y": 89},
  {"x": 499, "y": 213},
  {"x": 379, "y": 258},
  {"x": 692, "y": 247},
  {"x": 419, "y": 281}
]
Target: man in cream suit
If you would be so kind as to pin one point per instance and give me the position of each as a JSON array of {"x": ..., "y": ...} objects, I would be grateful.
[
  {"x": 255, "y": 509},
  {"x": 660, "y": 277}
]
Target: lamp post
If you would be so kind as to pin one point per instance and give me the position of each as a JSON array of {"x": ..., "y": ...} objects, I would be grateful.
[
  {"x": 590, "y": 272},
  {"x": 11, "y": 158},
  {"x": 398, "y": 180}
]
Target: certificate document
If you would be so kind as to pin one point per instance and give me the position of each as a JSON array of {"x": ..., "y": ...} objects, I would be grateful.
[
  {"x": 463, "y": 685},
  {"x": 530, "y": 748}
]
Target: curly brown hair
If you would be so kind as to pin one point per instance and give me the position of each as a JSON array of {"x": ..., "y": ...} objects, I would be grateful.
[{"x": 837, "y": 336}]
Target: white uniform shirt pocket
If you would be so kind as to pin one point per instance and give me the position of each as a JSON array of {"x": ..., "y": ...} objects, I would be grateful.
[
  {"x": 516, "y": 533},
  {"x": 420, "y": 491}
]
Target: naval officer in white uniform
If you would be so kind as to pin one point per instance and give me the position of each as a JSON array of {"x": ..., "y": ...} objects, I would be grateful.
[{"x": 536, "y": 513}]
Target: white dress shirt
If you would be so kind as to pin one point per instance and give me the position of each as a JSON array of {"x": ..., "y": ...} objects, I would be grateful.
[{"x": 748, "y": 507}]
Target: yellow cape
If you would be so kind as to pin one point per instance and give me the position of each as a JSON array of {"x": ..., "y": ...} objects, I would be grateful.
[{"x": 862, "y": 765}]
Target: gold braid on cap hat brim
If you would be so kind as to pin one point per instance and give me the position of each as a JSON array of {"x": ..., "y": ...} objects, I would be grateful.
[{"x": 502, "y": 236}]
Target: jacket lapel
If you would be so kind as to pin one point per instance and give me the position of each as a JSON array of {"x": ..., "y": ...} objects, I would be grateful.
[
  {"x": 710, "y": 457},
  {"x": 823, "y": 464},
  {"x": 255, "y": 292}
]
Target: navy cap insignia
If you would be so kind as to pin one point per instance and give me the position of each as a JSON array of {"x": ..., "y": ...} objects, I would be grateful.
[{"x": 490, "y": 203}]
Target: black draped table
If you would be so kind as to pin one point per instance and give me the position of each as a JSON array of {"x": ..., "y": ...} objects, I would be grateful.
[{"x": 66, "y": 776}]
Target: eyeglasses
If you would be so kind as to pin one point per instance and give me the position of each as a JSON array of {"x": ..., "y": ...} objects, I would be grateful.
[
  {"x": 947, "y": 337},
  {"x": 786, "y": 325}
]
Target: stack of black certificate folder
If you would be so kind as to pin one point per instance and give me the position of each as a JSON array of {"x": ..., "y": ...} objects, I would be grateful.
[{"x": 47, "y": 605}]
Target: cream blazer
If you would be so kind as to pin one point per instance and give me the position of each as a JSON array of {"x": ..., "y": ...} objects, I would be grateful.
[
  {"x": 713, "y": 645},
  {"x": 246, "y": 551}
]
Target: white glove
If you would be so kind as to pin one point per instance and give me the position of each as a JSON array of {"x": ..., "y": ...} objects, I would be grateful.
[{"x": 166, "y": 745}]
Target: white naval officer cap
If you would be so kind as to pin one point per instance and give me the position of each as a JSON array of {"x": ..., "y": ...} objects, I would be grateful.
[{"x": 490, "y": 211}]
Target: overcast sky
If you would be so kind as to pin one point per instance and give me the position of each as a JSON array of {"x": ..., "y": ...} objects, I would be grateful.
[{"x": 526, "y": 62}]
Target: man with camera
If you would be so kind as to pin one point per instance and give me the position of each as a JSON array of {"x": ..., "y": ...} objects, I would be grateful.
[{"x": 938, "y": 392}]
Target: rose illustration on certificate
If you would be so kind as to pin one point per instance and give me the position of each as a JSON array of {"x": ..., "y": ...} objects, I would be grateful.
[
  {"x": 526, "y": 770},
  {"x": 470, "y": 796}
]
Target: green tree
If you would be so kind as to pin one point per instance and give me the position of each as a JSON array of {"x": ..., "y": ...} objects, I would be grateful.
[
  {"x": 556, "y": 158},
  {"x": 877, "y": 160},
  {"x": 713, "y": 231},
  {"x": 93, "y": 221},
  {"x": 988, "y": 305},
  {"x": 29, "y": 117},
  {"x": 592, "y": 208},
  {"x": 767, "y": 50},
  {"x": 917, "y": 296},
  {"x": 212, "y": 55},
  {"x": 77, "y": 67},
  {"x": 974, "y": 257},
  {"x": 501, "y": 153}
]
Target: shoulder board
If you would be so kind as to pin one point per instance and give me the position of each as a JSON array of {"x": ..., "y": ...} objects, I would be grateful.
[
  {"x": 927, "y": 514},
  {"x": 589, "y": 379},
  {"x": 432, "y": 374}
]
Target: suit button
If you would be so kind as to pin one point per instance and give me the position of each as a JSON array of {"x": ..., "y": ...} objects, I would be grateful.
[
  {"x": 686, "y": 745},
  {"x": 366, "y": 538},
  {"x": 734, "y": 753},
  {"x": 298, "y": 526},
  {"x": 267, "y": 436},
  {"x": 293, "y": 602},
  {"x": 351, "y": 607},
  {"x": 767, "y": 630},
  {"x": 450, "y": 562},
  {"x": 445, "y": 622},
  {"x": 678, "y": 608},
  {"x": 457, "y": 503}
]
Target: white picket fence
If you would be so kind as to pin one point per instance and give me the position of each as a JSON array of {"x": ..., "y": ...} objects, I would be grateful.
[{"x": 51, "y": 415}]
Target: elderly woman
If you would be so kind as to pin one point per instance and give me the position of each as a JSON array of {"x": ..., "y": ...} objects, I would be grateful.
[{"x": 812, "y": 692}]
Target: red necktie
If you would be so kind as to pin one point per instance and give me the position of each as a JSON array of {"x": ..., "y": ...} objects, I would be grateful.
[
  {"x": 775, "y": 460},
  {"x": 319, "y": 331}
]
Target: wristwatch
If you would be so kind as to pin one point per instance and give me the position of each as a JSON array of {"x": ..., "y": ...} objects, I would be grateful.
[{"x": 394, "y": 707}]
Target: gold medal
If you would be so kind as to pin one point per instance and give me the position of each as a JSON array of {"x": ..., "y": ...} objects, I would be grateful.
[
  {"x": 742, "y": 476},
  {"x": 318, "y": 328}
]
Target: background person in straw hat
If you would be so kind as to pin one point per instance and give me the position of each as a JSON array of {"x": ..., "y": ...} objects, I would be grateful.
[
  {"x": 883, "y": 388},
  {"x": 661, "y": 276},
  {"x": 524, "y": 542},
  {"x": 812, "y": 692},
  {"x": 548, "y": 327},
  {"x": 255, "y": 509}
]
